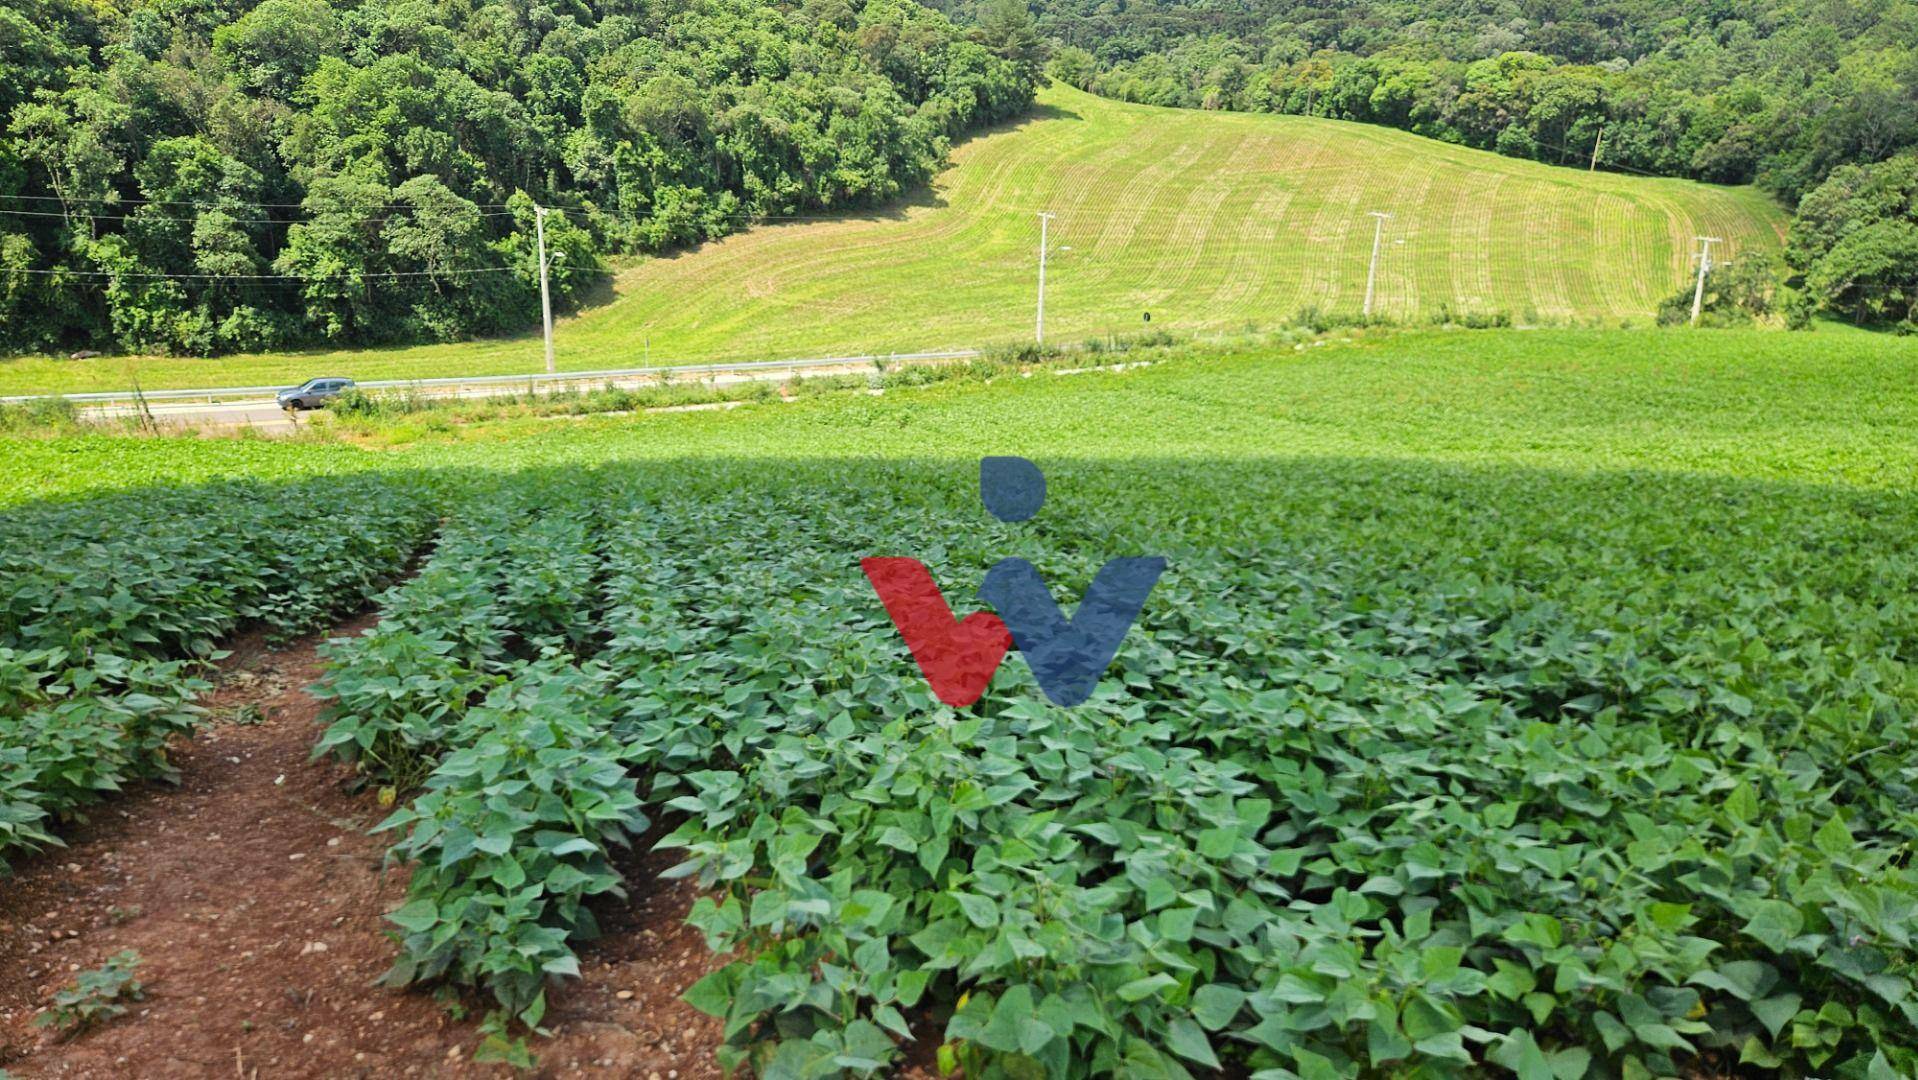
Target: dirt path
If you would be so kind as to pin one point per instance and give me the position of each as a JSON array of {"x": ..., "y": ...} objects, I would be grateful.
[{"x": 254, "y": 897}]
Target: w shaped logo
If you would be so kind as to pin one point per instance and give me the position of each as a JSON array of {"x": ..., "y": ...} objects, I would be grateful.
[{"x": 960, "y": 656}]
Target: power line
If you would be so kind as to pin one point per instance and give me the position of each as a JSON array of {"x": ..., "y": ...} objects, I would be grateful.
[
  {"x": 263, "y": 277},
  {"x": 91, "y": 216},
  {"x": 501, "y": 208},
  {"x": 115, "y": 200}
]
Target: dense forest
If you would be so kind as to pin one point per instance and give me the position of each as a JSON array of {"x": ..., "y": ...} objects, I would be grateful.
[
  {"x": 206, "y": 176},
  {"x": 1775, "y": 91},
  {"x": 215, "y": 175},
  {"x": 1783, "y": 93}
]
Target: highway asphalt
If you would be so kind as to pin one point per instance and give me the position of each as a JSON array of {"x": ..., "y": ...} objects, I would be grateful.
[{"x": 264, "y": 415}]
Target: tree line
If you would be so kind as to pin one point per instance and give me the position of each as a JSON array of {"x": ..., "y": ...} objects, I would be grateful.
[
  {"x": 203, "y": 176},
  {"x": 1788, "y": 94}
]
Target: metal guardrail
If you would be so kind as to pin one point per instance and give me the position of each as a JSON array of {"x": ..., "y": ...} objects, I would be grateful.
[{"x": 211, "y": 394}]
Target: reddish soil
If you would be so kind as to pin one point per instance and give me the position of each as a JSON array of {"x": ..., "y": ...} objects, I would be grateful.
[{"x": 254, "y": 898}]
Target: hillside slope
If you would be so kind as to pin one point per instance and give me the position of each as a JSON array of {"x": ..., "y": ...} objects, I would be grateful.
[{"x": 1209, "y": 221}]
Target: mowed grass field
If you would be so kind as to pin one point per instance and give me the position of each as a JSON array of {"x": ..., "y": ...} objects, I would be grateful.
[{"x": 1210, "y": 222}]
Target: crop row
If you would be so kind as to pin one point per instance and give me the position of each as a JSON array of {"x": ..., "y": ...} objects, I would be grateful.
[
  {"x": 111, "y": 609},
  {"x": 507, "y": 581},
  {"x": 1332, "y": 809},
  {"x": 469, "y": 695}
]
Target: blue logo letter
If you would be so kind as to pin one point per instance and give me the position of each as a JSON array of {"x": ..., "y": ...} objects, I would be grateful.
[{"x": 1068, "y": 657}]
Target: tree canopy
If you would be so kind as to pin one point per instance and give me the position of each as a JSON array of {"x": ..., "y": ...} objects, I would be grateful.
[
  {"x": 1855, "y": 243},
  {"x": 1780, "y": 92},
  {"x": 215, "y": 175}
]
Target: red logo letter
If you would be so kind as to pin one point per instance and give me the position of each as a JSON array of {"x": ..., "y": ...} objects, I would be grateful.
[{"x": 958, "y": 658}]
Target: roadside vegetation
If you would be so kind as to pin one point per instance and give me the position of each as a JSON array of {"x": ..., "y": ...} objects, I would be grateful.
[
  {"x": 1537, "y": 387},
  {"x": 395, "y": 416},
  {"x": 390, "y": 416},
  {"x": 46, "y": 415}
]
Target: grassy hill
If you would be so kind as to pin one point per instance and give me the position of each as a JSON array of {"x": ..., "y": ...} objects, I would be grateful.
[{"x": 1209, "y": 221}]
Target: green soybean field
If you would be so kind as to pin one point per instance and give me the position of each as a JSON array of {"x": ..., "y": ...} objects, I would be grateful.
[
  {"x": 111, "y": 608},
  {"x": 1531, "y": 704}
]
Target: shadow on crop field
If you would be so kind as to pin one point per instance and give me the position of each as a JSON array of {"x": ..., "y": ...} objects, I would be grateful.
[
  {"x": 1797, "y": 594},
  {"x": 1524, "y": 527},
  {"x": 1503, "y": 716}
]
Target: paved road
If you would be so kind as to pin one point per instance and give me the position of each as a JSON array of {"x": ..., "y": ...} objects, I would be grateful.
[{"x": 265, "y": 416}]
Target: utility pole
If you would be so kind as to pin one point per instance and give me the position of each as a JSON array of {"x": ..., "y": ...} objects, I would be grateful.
[
  {"x": 1040, "y": 333},
  {"x": 545, "y": 296},
  {"x": 1372, "y": 272},
  {"x": 1704, "y": 267},
  {"x": 1595, "y": 146}
]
